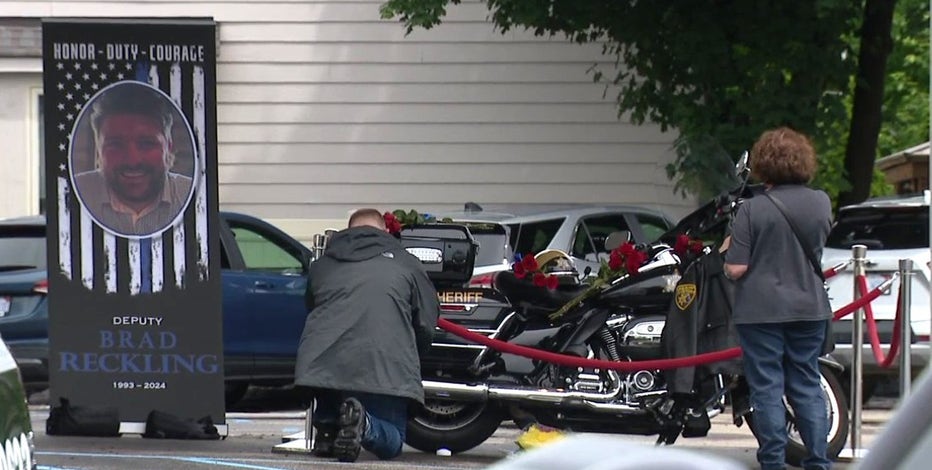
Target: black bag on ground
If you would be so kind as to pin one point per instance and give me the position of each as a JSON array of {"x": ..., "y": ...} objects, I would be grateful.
[
  {"x": 162, "y": 425},
  {"x": 82, "y": 420}
]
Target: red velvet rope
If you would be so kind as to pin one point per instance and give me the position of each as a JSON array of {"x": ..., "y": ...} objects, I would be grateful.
[
  {"x": 661, "y": 364},
  {"x": 864, "y": 301},
  {"x": 883, "y": 360},
  {"x": 576, "y": 361},
  {"x": 835, "y": 269}
]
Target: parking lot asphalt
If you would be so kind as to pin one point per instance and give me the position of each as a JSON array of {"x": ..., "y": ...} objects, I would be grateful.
[{"x": 253, "y": 437}]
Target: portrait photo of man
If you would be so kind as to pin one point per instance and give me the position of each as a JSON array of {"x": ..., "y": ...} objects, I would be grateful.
[{"x": 133, "y": 160}]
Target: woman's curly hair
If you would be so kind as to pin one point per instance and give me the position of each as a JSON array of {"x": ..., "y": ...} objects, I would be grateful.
[{"x": 783, "y": 156}]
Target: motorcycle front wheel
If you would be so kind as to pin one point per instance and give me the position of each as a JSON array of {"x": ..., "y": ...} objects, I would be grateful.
[
  {"x": 454, "y": 425},
  {"x": 838, "y": 425}
]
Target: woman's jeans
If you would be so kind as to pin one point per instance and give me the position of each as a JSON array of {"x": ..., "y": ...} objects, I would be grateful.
[
  {"x": 783, "y": 359},
  {"x": 388, "y": 419}
]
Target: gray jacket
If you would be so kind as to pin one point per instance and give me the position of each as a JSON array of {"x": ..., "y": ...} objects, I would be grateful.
[{"x": 372, "y": 310}]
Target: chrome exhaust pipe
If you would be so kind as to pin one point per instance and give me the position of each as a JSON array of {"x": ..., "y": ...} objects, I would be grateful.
[
  {"x": 549, "y": 396},
  {"x": 482, "y": 392},
  {"x": 455, "y": 391}
]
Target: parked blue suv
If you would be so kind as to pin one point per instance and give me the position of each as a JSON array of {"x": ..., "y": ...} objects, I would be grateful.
[{"x": 264, "y": 274}]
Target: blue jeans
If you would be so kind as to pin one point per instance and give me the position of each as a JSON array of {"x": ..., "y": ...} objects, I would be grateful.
[
  {"x": 783, "y": 359},
  {"x": 388, "y": 419}
]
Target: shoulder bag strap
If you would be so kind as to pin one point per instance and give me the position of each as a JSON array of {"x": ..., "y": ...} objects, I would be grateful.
[{"x": 809, "y": 253}]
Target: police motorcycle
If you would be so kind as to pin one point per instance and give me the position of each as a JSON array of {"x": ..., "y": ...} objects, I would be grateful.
[{"x": 471, "y": 389}]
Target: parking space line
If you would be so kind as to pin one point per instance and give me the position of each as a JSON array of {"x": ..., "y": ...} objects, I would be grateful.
[
  {"x": 224, "y": 463},
  {"x": 259, "y": 465},
  {"x": 203, "y": 460}
]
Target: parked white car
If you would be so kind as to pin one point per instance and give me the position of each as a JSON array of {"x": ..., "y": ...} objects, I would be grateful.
[
  {"x": 17, "y": 450},
  {"x": 578, "y": 230},
  {"x": 892, "y": 229}
]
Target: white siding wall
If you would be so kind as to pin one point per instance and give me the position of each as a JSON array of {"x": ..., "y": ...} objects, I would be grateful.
[
  {"x": 19, "y": 179},
  {"x": 323, "y": 107}
]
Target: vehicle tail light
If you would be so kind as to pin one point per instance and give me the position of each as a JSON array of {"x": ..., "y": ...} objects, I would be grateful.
[
  {"x": 483, "y": 280},
  {"x": 41, "y": 287},
  {"x": 922, "y": 338},
  {"x": 452, "y": 308}
]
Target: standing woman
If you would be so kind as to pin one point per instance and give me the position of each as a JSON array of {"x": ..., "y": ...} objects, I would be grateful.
[{"x": 781, "y": 308}]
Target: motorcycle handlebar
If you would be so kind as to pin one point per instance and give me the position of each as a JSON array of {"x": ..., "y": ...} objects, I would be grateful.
[
  {"x": 728, "y": 199},
  {"x": 713, "y": 212}
]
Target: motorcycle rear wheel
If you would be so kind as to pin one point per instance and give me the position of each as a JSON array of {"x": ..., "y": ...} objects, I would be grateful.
[
  {"x": 453, "y": 425},
  {"x": 837, "y": 409}
]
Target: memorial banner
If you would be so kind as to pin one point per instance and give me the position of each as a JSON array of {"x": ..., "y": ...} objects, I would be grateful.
[{"x": 134, "y": 254}]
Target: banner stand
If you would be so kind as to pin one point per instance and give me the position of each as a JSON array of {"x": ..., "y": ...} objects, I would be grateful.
[
  {"x": 300, "y": 442},
  {"x": 134, "y": 272}
]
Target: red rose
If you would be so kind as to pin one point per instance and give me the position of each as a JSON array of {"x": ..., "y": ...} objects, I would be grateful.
[
  {"x": 681, "y": 245},
  {"x": 530, "y": 263},
  {"x": 615, "y": 260},
  {"x": 627, "y": 249},
  {"x": 634, "y": 261},
  {"x": 519, "y": 270},
  {"x": 540, "y": 279},
  {"x": 553, "y": 282},
  {"x": 697, "y": 246},
  {"x": 391, "y": 223}
]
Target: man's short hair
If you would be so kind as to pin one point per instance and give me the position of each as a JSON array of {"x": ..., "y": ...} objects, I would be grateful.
[
  {"x": 369, "y": 217},
  {"x": 132, "y": 98}
]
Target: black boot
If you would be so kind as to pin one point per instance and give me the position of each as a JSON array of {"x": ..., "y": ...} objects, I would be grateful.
[
  {"x": 323, "y": 439},
  {"x": 353, "y": 426}
]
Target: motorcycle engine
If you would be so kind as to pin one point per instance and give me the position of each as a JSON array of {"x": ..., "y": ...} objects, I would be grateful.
[
  {"x": 636, "y": 387},
  {"x": 638, "y": 338},
  {"x": 588, "y": 380},
  {"x": 642, "y": 381},
  {"x": 642, "y": 333},
  {"x": 625, "y": 338},
  {"x": 579, "y": 379}
]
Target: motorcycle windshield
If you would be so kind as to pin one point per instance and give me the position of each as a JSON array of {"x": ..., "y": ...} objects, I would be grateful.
[{"x": 710, "y": 220}]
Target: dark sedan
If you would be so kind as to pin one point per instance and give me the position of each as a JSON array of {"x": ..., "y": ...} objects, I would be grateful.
[{"x": 264, "y": 275}]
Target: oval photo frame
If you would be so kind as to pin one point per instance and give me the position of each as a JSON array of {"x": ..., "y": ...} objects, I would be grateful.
[{"x": 102, "y": 189}]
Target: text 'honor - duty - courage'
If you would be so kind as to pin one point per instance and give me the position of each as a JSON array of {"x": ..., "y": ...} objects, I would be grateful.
[{"x": 128, "y": 52}]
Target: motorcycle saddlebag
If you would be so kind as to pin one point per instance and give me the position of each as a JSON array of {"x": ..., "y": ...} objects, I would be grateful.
[
  {"x": 447, "y": 251},
  {"x": 481, "y": 310}
]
